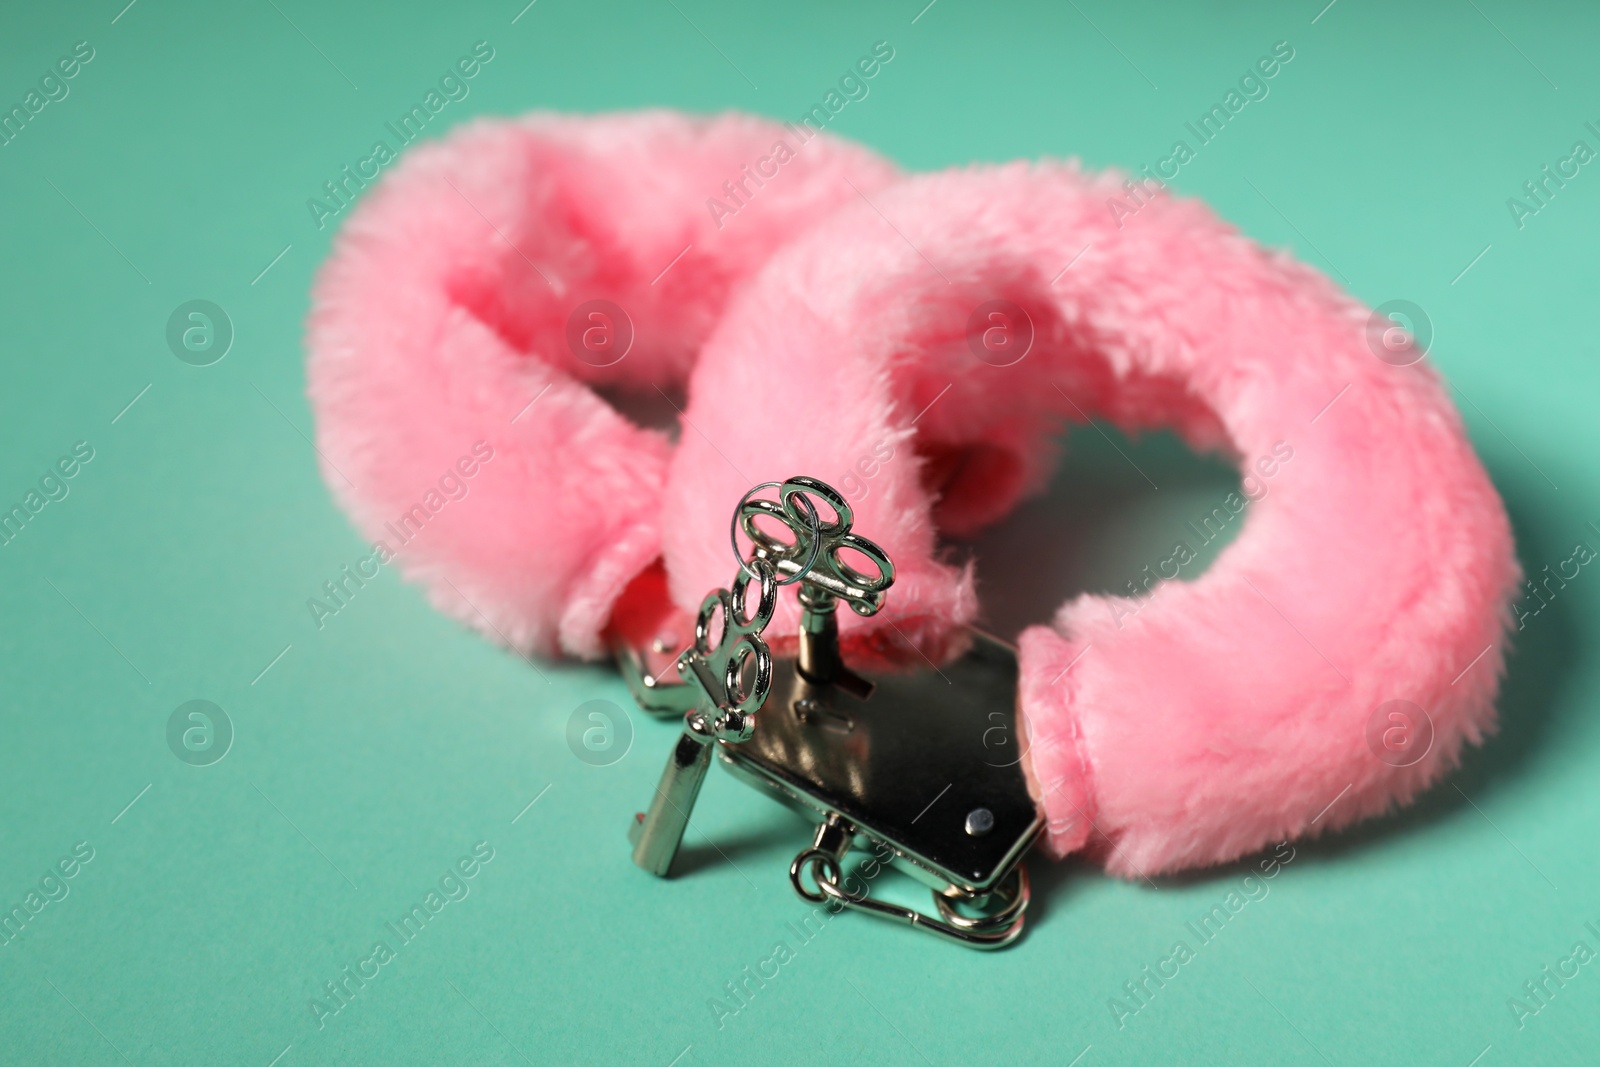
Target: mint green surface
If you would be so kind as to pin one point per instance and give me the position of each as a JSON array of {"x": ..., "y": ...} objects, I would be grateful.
[{"x": 379, "y": 749}]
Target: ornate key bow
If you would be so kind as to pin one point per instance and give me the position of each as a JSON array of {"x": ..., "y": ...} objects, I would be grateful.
[
  {"x": 814, "y": 556},
  {"x": 726, "y": 703}
]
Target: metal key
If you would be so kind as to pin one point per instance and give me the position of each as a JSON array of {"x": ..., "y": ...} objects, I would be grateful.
[
  {"x": 725, "y": 706},
  {"x": 813, "y": 558}
]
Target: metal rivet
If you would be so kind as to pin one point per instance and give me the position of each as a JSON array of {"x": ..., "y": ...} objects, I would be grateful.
[{"x": 980, "y": 821}]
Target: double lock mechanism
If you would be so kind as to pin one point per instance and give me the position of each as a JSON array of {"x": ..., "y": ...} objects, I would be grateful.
[{"x": 896, "y": 760}]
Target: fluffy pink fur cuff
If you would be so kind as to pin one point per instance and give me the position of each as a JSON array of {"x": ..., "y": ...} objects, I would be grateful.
[
  {"x": 1206, "y": 718},
  {"x": 849, "y": 314},
  {"x": 466, "y": 303}
]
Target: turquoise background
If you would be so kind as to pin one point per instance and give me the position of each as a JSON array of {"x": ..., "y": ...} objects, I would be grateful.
[{"x": 378, "y": 750}]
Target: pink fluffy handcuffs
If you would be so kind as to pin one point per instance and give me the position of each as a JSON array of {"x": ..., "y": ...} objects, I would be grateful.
[{"x": 831, "y": 318}]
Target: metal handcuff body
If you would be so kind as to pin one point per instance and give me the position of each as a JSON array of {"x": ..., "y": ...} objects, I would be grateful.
[{"x": 894, "y": 759}]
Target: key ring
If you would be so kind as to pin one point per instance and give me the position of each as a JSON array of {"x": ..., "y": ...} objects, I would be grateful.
[{"x": 815, "y": 522}]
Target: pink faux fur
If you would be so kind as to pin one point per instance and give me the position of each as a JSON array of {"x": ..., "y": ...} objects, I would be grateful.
[
  {"x": 441, "y": 320},
  {"x": 1197, "y": 722},
  {"x": 1210, "y": 717}
]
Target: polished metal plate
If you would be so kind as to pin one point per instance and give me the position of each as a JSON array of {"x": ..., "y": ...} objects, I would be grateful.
[{"x": 908, "y": 765}]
